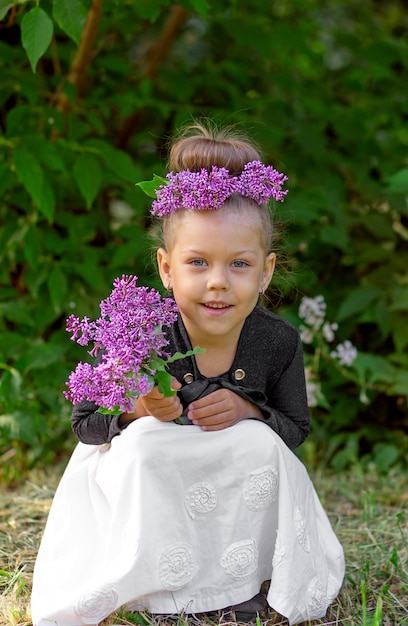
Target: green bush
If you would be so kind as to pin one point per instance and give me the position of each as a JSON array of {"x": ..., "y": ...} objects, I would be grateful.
[{"x": 89, "y": 94}]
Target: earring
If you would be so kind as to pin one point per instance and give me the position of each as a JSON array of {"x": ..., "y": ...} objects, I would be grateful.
[
  {"x": 262, "y": 291},
  {"x": 169, "y": 287}
]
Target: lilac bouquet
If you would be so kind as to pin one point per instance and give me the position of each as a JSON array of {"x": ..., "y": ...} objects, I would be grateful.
[{"x": 130, "y": 342}]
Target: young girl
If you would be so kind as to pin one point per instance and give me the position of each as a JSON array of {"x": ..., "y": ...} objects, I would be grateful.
[{"x": 171, "y": 518}]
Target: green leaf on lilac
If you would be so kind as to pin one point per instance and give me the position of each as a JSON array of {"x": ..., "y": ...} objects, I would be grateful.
[
  {"x": 178, "y": 355},
  {"x": 115, "y": 411},
  {"x": 157, "y": 364},
  {"x": 36, "y": 33},
  {"x": 163, "y": 380},
  {"x": 149, "y": 187}
]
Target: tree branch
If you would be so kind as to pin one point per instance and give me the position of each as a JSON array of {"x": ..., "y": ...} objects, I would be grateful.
[
  {"x": 178, "y": 15},
  {"x": 175, "y": 21},
  {"x": 83, "y": 56}
]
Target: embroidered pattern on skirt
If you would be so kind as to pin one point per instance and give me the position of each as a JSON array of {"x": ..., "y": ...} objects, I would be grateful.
[
  {"x": 177, "y": 566},
  {"x": 332, "y": 588},
  {"x": 240, "y": 559},
  {"x": 93, "y": 606},
  {"x": 316, "y": 597},
  {"x": 301, "y": 530},
  {"x": 279, "y": 552},
  {"x": 261, "y": 488},
  {"x": 200, "y": 498}
]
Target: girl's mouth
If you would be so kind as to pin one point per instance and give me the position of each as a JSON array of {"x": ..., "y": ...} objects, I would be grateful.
[{"x": 216, "y": 305}]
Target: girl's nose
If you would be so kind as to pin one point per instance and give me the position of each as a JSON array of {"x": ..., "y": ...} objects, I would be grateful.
[{"x": 218, "y": 279}]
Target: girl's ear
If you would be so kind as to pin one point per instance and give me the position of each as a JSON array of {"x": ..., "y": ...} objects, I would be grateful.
[
  {"x": 164, "y": 267},
  {"x": 269, "y": 268}
]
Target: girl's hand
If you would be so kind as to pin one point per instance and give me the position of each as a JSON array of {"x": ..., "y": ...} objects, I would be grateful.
[
  {"x": 221, "y": 409},
  {"x": 157, "y": 405}
]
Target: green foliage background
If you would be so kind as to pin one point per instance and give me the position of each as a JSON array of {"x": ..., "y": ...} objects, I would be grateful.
[{"x": 90, "y": 93}]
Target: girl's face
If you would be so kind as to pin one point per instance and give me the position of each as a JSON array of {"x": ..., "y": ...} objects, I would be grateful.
[{"x": 216, "y": 267}]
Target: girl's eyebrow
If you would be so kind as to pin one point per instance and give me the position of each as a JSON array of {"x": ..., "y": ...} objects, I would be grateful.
[
  {"x": 246, "y": 251},
  {"x": 204, "y": 252}
]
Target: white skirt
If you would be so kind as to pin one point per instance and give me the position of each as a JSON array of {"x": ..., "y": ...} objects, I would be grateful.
[{"x": 169, "y": 518}]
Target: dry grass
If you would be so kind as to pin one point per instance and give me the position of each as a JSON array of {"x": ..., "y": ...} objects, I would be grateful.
[{"x": 368, "y": 511}]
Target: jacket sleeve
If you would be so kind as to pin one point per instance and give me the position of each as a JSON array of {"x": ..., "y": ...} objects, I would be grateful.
[
  {"x": 287, "y": 412},
  {"x": 92, "y": 427}
]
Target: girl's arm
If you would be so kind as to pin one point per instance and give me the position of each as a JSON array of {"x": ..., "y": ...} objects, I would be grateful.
[
  {"x": 221, "y": 409},
  {"x": 281, "y": 401},
  {"x": 224, "y": 408},
  {"x": 287, "y": 411},
  {"x": 92, "y": 427}
]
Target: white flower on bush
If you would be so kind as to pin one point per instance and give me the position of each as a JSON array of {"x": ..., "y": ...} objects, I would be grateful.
[
  {"x": 313, "y": 311},
  {"x": 328, "y": 331},
  {"x": 306, "y": 334},
  {"x": 317, "y": 333},
  {"x": 313, "y": 392},
  {"x": 313, "y": 388},
  {"x": 345, "y": 353}
]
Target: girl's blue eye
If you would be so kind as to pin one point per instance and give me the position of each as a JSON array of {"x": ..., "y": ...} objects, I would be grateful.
[
  {"x": 240, "y": 263},
  {"x": 197, "y": 262}
]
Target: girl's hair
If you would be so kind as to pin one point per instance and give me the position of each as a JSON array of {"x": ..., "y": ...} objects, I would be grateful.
[{"x": 202, "y": 146}]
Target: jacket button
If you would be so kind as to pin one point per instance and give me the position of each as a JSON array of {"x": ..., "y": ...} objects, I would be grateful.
[{"x": 239, "y": 374}]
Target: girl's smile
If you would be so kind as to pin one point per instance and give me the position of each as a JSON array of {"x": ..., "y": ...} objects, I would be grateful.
[
  {"x": 216, "y": 267},
  {"x": 217, "y": 305},
  {"x": 216, "y": 309}
]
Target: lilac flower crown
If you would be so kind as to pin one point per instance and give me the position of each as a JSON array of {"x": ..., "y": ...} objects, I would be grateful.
[{"x": 208, "y": 190}]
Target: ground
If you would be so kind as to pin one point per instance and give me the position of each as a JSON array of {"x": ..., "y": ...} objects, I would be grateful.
[{"x": 368, "y": 510}]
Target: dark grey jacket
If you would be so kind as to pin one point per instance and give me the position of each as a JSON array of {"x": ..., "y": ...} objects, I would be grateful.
[{"x": 268, "y": 370}]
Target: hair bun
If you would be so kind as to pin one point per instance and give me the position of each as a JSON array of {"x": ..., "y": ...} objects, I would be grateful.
[{"x": 203, "y": 146}]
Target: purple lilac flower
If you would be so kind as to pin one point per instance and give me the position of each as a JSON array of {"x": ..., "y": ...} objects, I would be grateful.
[
  {"x": 194, "y": 190},
  {"x": 208, "y": 190},
  {"x": 261, "y": 182},
  {"x": 130, "y": 334}
]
